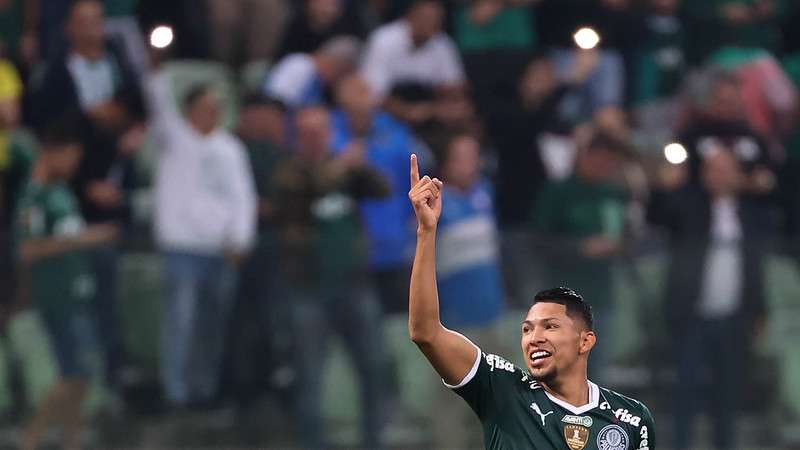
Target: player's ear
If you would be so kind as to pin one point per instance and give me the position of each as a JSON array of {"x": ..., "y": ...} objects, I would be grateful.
[{"x": 588, "y": 339}]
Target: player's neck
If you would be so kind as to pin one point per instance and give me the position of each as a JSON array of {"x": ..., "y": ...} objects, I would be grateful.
[{"x": 571, "y": 389}]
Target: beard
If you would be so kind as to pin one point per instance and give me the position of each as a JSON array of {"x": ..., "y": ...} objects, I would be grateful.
[{"x": 547, "y": 376}]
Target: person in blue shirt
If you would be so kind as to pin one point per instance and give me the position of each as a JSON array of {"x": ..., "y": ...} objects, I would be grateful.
[
  {"x": 389, "y": 221},
  {"x": 471, "y": 296}
]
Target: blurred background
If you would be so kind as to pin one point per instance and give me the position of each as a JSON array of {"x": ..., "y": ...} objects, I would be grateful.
[{"x": 232, "y": 250}]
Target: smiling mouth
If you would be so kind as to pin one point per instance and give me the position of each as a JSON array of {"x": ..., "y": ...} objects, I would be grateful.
[{"x": 539, "y": 356}]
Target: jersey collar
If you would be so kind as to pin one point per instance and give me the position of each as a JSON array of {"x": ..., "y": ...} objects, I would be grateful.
[{"x": 594, "y": 401}]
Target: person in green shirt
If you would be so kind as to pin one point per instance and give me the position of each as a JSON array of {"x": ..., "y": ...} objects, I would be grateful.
[
  {"x": 52, "y": 253},
  {"x": 579, "y": 224},
  {"x": 322, "y": 255},
  {"x": 548, "y": 405}
]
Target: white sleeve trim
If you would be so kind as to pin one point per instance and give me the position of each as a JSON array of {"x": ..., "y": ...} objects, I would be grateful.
[{"x": 471, "y": 374}]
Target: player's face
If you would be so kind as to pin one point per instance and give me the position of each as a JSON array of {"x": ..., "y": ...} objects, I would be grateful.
[{"x": 552, "y": 342}]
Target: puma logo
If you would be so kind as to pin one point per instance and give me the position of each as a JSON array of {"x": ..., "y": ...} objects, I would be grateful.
[{"x": 538, "y": 411}]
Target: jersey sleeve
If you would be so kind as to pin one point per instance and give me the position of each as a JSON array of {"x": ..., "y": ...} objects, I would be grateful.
[
  {"x": 490, "y": 378},
  {"x": 646, "y": 440}
]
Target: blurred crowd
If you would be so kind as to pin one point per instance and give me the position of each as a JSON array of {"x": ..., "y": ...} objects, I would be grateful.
[{"x": 276, "y": 199}]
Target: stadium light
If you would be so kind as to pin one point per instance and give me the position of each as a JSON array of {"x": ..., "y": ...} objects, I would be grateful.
[
  {"x": 161, "y": 36},
  {"x": 675, "y": 153},
  {"x": 586, "y": 38}
]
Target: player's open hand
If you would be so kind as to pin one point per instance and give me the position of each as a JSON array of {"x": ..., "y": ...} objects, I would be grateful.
[{"x": 426, "y": 197}]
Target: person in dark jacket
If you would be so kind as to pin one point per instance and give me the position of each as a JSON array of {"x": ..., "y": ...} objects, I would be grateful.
[
  {"x": 715, "y": 289},
  {"x": 94, "y": 80}
]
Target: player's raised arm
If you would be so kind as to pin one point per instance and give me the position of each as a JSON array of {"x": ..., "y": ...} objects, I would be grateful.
[{"x": 449, "y": 353}]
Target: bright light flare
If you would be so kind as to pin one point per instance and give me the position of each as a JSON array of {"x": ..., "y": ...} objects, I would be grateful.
[
  {"x": 161, "y": 36},
  {"x": 675, "y": 153},
  {"x": 586, "y": 38}
]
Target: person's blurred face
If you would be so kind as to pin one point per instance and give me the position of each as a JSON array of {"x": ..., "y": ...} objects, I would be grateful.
[
  {"x": 354, "y": 95},
  {"x": 552, "y": 342},
  {"x": 85, "y": 27},
  {"x": 722, "y": 173},
  {"x": 204, "y": 112},
  {"x": 313, "y": 133},
  {"x": 426, "y": 21},
  {"x": 726, "y": 102},
  {"x": 538, "y": 80},
  {"x": 463, "y": 164},
  {"x": 262, "y": 122},
  {"x": 62, "y": 160},
  {"x": 597, "y": 164},
  {"x": 323, "y": 13}
]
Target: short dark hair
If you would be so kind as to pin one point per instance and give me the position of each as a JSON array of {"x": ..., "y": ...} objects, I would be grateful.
[
  {"x": 257, "y": 98},
  {"x": 603, "y": 140},
  {"x": 64, "y": 130},
  {"x": 576, "y": 305}
]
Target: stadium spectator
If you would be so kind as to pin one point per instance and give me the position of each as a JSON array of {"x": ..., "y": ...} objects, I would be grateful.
[
  {"x": 314, "y": 22},
  {"x": 360, "y": 125},
  {"x": 322, "y": 266},
  {"x": 52, "y": 244},
  {"x": 205, "y": 221},
  {"x": 121, "y": 21},
  {"x": 304, "y": 79},
  {"x": 720, "y": 122},
  {"x": 491, "y": 25},
  {"x": 246, "y": 30},
  {"x": 658, "y": 69},
  {"x": 19, "y": 31},
  {"x": 533, "y": 143},
  {"x": 411, "y": 64},
  {"x": 259, "y": 320},
  {"x": 580, "y": 222},
  {"x": 96, "y": 79},
  {"x": 714, "y": 290},
  {"x": 468, "y": 271},
  {"x": 734, "y": 23}
]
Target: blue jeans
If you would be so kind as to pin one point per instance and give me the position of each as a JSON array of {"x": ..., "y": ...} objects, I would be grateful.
[
  {"x": 356, "y": 316},
  {"x": 198, "y": 296},
  {"x": 105, "y": 263}
]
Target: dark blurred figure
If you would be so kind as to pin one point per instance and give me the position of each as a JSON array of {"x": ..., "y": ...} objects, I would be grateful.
[
  {"x": 734, "y": 23},
  {"x": 413, "y": 67},
  {"x": 533, "y": 142},
  {"x": 323, "y": 266},
  {"x": 580, "y": 222},
  {"x": 314, "y": 22},
  {"x": 19, "y": 31},
  {"x": 94, "y": 78},
  {"x": 714, "y": 294},
  {"x": 307, "y": 79},
  {"x": 720, "y": 123},
  {"x": 259, "y": 318},
  {"x": 53, "y": 247},
  {"x": 659, "y": 67},
  {"x": 246, "y": 30}
]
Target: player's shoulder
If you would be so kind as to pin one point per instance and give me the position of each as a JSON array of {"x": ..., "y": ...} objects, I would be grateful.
[
  {"x": 508, "y": 370},
  {"x": 626, "y": 409}
]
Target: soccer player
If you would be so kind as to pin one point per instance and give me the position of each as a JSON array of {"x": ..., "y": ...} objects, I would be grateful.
[{"x": 549, "y": 406}]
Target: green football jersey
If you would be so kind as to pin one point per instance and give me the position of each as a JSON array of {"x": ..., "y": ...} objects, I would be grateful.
[
  {"x": 517, "y": 413},
  {"x": 51, "y": 211}
]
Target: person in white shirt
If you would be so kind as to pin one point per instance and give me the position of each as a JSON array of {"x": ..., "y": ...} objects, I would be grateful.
[
  {"x": 300, "y": 80},
  {"x": 411, "y": 64},
  {"x": 205, "y": 217}
]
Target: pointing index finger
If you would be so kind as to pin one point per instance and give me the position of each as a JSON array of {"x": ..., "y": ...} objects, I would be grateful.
[{"x": 414, "y": 170}]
